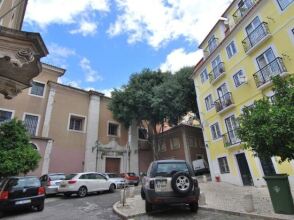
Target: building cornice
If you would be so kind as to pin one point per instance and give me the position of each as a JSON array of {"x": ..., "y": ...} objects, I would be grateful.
[{"x": 59, "y": 70}]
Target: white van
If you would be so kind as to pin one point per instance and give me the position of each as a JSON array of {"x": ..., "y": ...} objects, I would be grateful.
[{"x": 200, "y": 166}]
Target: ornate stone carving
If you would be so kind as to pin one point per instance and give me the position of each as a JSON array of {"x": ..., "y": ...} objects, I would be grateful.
[{"x": 25, "y": 55}]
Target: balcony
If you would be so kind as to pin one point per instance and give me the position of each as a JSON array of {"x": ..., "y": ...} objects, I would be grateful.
[
  {"x": 212, "y": 45},
  {"x": 224, "y": 103},
  {"x": 263, "y": 76},
  {"x": 217, "y": 73},
  {"x": 256, "y": 37},
  {"x": 230, "y": 139},
  {"x": 243, "y": 10}
]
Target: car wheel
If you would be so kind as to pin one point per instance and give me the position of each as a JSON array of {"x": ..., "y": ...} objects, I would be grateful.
[
  {"x": 111, "y": 188},
  {"x": 143, "y": 194},
  {"x": 67, "y": 194},
  {"x": 136, "y": 184},
  {"x": 40, "y": 207},
  {"x": 194, "y": 207},
  {"x": 82, "y": 191},
  {"x": 182, "y": 183},
  {"x": 148, "y": 206}
]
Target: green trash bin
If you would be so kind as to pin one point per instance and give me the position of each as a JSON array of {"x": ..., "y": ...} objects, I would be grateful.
[{"x": 280, "y": 193}]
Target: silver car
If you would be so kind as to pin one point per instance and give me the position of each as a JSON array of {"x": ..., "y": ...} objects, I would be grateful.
[
  {"x": 51, "y": 182},
  {"x": 116, "y": 179}
]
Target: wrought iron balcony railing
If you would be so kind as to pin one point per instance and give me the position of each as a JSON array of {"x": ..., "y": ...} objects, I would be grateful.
[
  {"x": 274, "y": 68},
  {"x": 259, "y": 33},
  {"x": 243, "y": 10},
  {"x": 216, "y": 72},
  {"x": 225, "y": 101},
  {"x": 231, "y": 138},
  {"x": 212, "y": 45}
]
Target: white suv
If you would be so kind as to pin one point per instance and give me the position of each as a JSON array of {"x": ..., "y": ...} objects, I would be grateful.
[{"x": 83, "y": 183}]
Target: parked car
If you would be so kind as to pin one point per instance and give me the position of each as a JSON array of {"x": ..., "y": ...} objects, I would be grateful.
[
  {"x": 84, "y": 183},
  {"x": 131, "y": 178},
  {"x": 51, "y": 182},
  {"x": 170, "y": 182},
  {"x": 200, "y": 167},
  {"x": 116, "y": 179},
  {"x": 21, "y": 192}
]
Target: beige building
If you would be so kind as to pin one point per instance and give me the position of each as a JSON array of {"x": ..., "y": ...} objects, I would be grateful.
[{"x": 66, "y": 122}]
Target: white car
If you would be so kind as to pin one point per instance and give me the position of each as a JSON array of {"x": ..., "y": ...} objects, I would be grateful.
[
  {"x": 116, "y": 179},
  {"x": 84, "y": 183}
]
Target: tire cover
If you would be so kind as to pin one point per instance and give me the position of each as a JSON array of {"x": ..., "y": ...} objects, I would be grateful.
[{"x": 174, "y": 180}]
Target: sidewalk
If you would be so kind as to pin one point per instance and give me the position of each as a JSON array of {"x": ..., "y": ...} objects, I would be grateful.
[{"x": 222, "y": 197}]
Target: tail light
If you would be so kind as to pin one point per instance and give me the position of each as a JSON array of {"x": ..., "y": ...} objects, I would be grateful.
[
  {"x": 151, "y": 184},
  {"x": 71, "y": 181},
  {"x": 4, "y": 195},
  {"x": 41, "y": 191}
]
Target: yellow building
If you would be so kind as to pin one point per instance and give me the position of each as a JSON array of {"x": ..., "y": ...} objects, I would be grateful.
[{"x": 252, "y": 41}]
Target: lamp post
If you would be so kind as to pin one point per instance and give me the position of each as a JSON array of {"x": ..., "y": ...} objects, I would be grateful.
[{"x": 96, "y": 147}]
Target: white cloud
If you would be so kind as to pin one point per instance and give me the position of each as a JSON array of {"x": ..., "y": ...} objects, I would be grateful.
[
  {"x": 91, "y": 74},
  {"x": 159, "y": 21},
  {"x": 86, "y": 28},
  {"x": 58, "y": 55},
  {"x": 77, "y": 12},
  {"x": 179, "y": 58},
  {"x": 107, "y": 92},
  {"x": 72, "y": 83}
]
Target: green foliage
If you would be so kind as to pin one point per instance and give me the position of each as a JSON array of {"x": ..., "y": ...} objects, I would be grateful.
[
  {"x": 16, "y": 153},
  {"x": 267, "y": 128},
  {"x": 155, "y": 96}
]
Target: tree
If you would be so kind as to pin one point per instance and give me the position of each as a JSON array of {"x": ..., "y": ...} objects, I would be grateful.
[
  {"x": 267, "y": 128},
  {"x": 154, "y": 97},
  {"x": 16, "y": 153}
]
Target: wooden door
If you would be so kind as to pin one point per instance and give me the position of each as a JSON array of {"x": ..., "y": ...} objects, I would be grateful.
[{"x": 112, "y": 165}]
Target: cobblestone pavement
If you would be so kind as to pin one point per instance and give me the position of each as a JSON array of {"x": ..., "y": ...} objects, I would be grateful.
[
  {"x": 178, "y": 213},
  {"x": 91, "y": 207}
]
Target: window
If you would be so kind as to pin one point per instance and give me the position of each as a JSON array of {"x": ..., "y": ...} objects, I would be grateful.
[
  {"x": 209, "y": 102},
  {"x": 112, "y": 129},
  {"x": 223, "y": 165},
  {"x": 31, "y": 124},
  {"x": 191, "y": 142},
  {"x": 76, "y": 123},
  {"x": 231, "y": 49},
  {"x": 34, "y": 147},
  {"x": 215, "y": 131},
  {"x": 37, "y": 88},
  {"x": 161, "y": 146},
  {"x": 204, "y": 76},
  {"x": 284, "y": 3},
  {"x": 212, "y": 43},
  {"x": 142, "y": 132},
  {"x": 5, "y": 116},
  {"x": 175, "y": 143},
  {"x": 239, "y": 78}
]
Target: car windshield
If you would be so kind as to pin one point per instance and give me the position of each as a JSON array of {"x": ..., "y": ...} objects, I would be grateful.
[
  {"x": 57, "y": 177},
  {"x": 131, "y": 174},
  {"x": 70, "y": 176},
  {"x": 113, "y": 175},
  {"x": 169, "y": 169}
]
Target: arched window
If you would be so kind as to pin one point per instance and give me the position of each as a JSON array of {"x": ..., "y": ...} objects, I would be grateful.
[{"x": 35, "y": 147}]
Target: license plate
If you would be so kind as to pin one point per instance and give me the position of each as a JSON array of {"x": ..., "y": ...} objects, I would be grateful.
[
  {"x": 23, "y": 202},
  {"x": 62, "y": 185},
  {"x": 160, "y": 185}
]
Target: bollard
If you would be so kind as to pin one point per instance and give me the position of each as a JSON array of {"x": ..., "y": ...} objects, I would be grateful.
[
  {"x": 122, "y": 197},
  {"x": 204, "y": 178},
  {"x": 131, "y": 192},
  {"x": 248, "y": 203},
  {"x": 202, "y": 199}
]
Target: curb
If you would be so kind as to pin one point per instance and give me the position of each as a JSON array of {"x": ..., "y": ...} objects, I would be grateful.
[{"x": 249, "y": 215}]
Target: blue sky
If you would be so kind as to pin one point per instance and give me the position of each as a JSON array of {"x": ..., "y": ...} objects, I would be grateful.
[{"x": 102, "y": 42}]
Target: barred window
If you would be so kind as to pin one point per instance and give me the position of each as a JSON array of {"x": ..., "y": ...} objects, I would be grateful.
[
  {"x": 31, "y": 123},
  {"x": 142, "y": 132},
  {"x": 37, "y": 88},
  {"x": 76, "y": 123},
  {"x": 223, "y": 165},
  {"x": 112, "y": 129},
  {"x": 175, "y": 143},
  {"x": 5, "y": 116}
]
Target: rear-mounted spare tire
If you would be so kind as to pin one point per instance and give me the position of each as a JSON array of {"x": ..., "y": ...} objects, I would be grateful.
[{"x": 181, "y": 183}]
